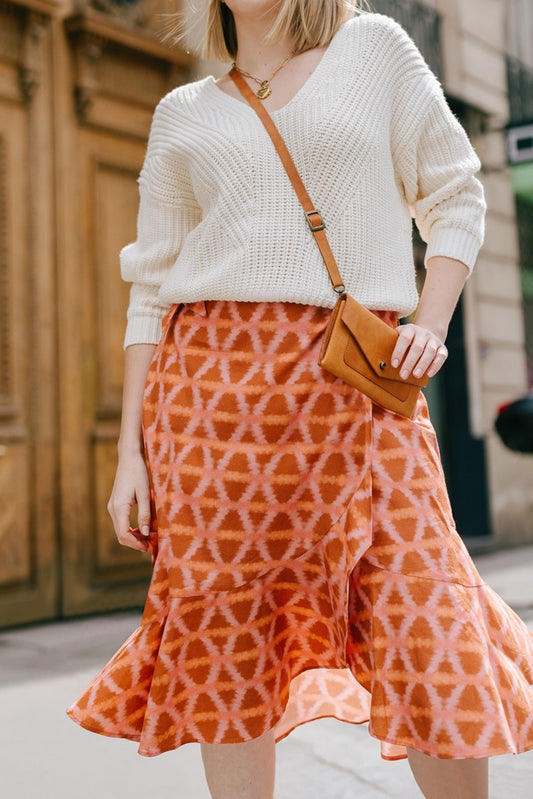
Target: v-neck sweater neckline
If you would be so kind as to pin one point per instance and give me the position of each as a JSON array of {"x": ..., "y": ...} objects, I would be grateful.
[{"x": 219, "y": 95}]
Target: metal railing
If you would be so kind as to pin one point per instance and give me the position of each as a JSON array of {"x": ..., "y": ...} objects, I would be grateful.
[
  {"x": 421, "y": 22},
  {"x": 524, "y": 219},
  {"x": 520, "y": 90},
  {"x": 520, "y": 87}
]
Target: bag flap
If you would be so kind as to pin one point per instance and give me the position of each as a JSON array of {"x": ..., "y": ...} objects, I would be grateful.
[{"x": 376, "y": 340}]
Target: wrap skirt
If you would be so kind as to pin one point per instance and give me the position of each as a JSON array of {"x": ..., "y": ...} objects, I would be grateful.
[{"x": 306, "y": 562}]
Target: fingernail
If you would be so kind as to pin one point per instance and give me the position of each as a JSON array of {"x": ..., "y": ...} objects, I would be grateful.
[
  {"x": 145, "y": 530},
  {"x": 404, "y": 373},
  {"x": 418, "y": 372},
  {"x": 395, "y": 362}
]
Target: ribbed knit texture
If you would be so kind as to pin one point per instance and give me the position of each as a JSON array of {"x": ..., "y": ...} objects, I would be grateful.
[{"x": 375, "y": 143}]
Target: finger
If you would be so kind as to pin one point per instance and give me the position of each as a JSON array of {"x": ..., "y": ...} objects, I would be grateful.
[
  {"x": 126, "y": 536},
  {"x": 143, "y": 512},
  {"x": 406, "y": 335},
  {"x": 438, "y": 362},
  {"x": 413, "y": 355},
  {"x": 136, "y": 540},
  {"x": 429, "y": 354},
  {"x": 120, "y": 515},
  {"x": 132, "y": 538},
  {"x": 133, "y": 541}
]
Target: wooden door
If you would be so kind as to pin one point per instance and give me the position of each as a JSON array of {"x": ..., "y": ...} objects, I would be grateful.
[
  {"x": 103, "y": 121},
  {"x": 29, "y": 581},
  {"x": 98, "y": 573},
  {"x": 76, "y": 98}
]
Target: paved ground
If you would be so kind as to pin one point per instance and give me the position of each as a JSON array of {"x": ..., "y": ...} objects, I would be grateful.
[{"x": 43, "y": 755}]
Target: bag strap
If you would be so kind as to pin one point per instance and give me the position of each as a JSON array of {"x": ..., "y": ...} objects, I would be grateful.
[{"x": 314, "y": 219}]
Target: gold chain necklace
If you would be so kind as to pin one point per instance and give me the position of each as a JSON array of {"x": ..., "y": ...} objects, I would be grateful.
[{"x": 265, "y": 89}]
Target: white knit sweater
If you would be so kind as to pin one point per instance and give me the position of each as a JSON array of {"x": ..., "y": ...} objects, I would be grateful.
[{"x": 375, "y": 143}]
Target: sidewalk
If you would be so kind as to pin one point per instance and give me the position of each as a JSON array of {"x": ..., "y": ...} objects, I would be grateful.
[{"x": 45, "y": 756}]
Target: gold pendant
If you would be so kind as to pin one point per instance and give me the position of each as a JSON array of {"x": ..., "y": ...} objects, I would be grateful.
[{"x": 264, "y": 90}]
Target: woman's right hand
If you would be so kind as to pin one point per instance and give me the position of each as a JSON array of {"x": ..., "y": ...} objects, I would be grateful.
[{"x": 131, "y": 487}]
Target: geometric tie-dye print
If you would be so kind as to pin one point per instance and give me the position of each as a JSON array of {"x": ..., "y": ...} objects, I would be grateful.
[{"x": 306, "y": 560}]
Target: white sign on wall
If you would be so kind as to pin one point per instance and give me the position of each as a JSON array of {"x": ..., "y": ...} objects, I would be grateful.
[{"x": 520, "y": 143}]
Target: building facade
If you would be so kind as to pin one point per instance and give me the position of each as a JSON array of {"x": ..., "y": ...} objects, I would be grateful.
[
  {"x": 485, "y": 61},
  {"x": 78, "y": 84}
]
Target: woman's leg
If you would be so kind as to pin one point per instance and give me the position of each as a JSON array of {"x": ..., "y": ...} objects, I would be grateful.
[
  {"x": 450, "y": 779},
  {"x": 241, "y": 771}
]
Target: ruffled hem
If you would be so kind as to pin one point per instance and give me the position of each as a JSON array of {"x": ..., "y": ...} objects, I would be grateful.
[{"x": 342, "y": 661}]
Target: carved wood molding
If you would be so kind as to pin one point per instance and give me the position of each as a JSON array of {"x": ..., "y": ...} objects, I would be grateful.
[
  {"x": 31, "y": 53},
  {"x": 88, "y": 52},
  {"x": 91, "y": 33},
  {"x": 27, "y": 21},
  {"x": 5, "y": 315},
  {"x": 45, "y": 7},
  {"x": 134, "y": 12}
]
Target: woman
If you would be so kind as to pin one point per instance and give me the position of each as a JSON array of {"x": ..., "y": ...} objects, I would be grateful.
[{"x": 306, "y": 562}]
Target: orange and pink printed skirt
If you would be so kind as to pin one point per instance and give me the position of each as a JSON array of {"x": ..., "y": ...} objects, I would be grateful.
[{"x": 307, "y": 562}]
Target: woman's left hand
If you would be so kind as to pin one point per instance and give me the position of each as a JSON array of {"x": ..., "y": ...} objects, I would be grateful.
[{"x": 419, "y": 351}]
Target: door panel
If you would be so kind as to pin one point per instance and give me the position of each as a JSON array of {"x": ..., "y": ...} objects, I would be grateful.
[
  {"x": 77, "y": 93},
  {"x": 28, "y": 537},
  {"x": 15, "y": 536},
  {"x": 106, "y": 575},
  {"x": 114, "y": 201}
]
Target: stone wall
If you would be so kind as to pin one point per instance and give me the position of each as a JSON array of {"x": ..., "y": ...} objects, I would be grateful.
[{"x": 474, "y": 51}]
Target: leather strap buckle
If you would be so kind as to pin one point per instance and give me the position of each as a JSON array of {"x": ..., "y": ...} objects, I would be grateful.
[{"x": 313, "y": 225}]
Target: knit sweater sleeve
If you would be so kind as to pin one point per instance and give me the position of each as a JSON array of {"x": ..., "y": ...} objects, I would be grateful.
[
  {"x": 434, "y": 161},
  {"x": 167, "y": 212}
]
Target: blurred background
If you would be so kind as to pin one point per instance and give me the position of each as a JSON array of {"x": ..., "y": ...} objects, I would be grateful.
[{"x": 79, "y": 81}]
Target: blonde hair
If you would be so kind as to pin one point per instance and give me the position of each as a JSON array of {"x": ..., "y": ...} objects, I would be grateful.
[{"x": 309, "y": 23}]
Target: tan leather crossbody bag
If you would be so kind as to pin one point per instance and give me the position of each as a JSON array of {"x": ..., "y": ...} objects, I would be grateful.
[{"x": 357, "y": 345}]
